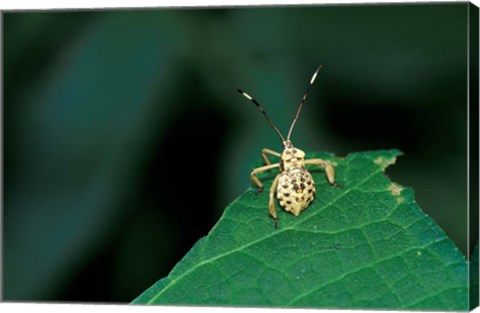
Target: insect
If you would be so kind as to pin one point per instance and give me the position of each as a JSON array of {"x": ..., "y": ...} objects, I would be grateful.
[{"x": 294, "y": 185}]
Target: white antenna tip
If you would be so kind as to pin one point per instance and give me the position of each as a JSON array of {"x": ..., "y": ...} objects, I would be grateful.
[
  {"x": 315, "y": 75},
  {"x": 246, "y": 95}
]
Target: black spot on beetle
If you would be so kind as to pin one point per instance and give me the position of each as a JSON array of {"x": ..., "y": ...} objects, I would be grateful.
[
  {"x": 302, "y": 186},
  {"x": 310, "y": 190},
  {"x": 285, "y": 186},
  {"x": 286, "y": 194},
  {"x": 289, "y": 202}
]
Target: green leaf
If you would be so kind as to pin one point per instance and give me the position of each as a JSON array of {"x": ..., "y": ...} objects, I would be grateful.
[{"x": 366, "y": 245}]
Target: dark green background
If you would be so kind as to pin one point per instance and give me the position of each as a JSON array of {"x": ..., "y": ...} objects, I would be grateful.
[{"x": 124, "y": 137}]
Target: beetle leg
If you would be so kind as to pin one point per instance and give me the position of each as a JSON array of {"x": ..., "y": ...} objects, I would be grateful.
[
  {"x": 256, "y": 180},
  {"x": 266, "y": 151},
  {"x": 329, "y": 170},
  {"x": 271, "y": 203}
]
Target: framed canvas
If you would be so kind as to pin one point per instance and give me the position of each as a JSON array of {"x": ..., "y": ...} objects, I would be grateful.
[{"x": 133, "y": 169}]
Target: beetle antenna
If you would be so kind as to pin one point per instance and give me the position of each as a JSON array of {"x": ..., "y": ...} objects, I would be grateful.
[
  {"x": 303, "y": 101},
  {"x": 260, "y": 107}
]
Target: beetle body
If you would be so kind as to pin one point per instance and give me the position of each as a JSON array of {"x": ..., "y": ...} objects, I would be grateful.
[
  {"x": 293, "y": 186},
  {"x": 296, "y": 188}
]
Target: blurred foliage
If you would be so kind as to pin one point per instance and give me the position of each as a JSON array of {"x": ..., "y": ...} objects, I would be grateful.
[{"x": 113, "y": 118}]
